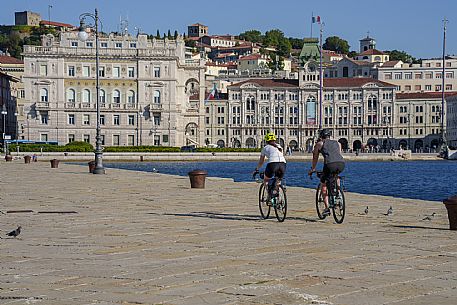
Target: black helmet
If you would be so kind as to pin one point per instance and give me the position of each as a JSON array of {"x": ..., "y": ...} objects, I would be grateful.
[{"x": 324, "y": 133}]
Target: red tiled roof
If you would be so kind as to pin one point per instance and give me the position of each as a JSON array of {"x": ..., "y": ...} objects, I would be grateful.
[
  {"x": 372, "y": 52},
  {"x": 197, "y": 24},
  {"x": 10, "y": 60},
  {"x": 268, "y": 82},
  {"x": 54, "y": 23},
  {"x": 360, "y": 62},
  {"x": 390, "y": 63},
  {"x": 328, "y": 82},
  {"x": 353, "y": 82},
  {"x": 423, "y": 95},
  {"x": 250, "y": 57}
]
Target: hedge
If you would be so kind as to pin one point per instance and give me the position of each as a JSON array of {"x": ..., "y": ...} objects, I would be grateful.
[{"x": 86, "y": 147}]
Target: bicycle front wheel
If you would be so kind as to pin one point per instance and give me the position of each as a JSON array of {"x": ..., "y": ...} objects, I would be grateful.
[
  {"x": 338, "y": 205},
  {"x": 264, "y": 205},
  {"x": 281, "y": 204},
  {"x": 320, "y": 205}
]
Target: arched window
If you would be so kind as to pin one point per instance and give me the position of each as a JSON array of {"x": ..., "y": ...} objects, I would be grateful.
[
  {"x": 372, "y": 102},
  {"x": 102, "y": 96},
  {"x": 44, "y": 95},
  {"x": 131, "y": 97},
  {"x": 71, "y": 96},
  {"x": 86, "y": 96},
  {"x": 116, "y": 97},
  {"x": 157, "y": 96}
]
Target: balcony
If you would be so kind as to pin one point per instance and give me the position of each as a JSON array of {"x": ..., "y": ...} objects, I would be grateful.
[
  {"x": 85, "y": 105},
  {"x": 130, "y": 106},
  {"x": 42, "y": 105},
  {"x": 156, "y": 107},
  {"x": 115, "y": 106},
  {"x": 70, "y": 105}
]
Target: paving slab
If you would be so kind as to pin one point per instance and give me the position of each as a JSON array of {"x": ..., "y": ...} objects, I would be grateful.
[{"x": 146, "y": 238}]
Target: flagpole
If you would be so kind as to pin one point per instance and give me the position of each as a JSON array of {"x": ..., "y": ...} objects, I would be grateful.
[
  {"x": 312, "y": 21},
  {"x": 320, "y": 77}
]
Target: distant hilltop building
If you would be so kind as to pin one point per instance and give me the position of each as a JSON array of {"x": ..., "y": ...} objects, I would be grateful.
[
  {"x": 27, "y": 18},
  {"x": 197, "y": 30},
  {"x": 34, "y": 19}
]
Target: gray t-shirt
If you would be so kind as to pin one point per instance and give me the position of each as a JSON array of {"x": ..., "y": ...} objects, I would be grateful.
[{"x": 331, "y": 151}]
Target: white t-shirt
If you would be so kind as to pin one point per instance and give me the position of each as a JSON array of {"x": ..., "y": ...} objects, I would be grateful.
[{"x": 273, "y": 154}]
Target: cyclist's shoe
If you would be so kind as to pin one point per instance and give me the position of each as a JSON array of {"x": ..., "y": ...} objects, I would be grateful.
[{"x": 326, "y": 212}]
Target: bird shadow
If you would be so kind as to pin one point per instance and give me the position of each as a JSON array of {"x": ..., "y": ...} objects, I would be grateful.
[
  {"x": 226, "y": 216},
  {"x": 418, "y": 227}
]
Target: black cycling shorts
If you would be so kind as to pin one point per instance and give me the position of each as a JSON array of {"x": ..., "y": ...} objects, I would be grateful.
[
  {"x": 331, "y": 168},
  {"x": 277, "y": 169}
]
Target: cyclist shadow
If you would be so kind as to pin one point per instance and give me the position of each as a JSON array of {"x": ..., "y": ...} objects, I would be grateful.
[
  {"x": 227, "y": 216},
  {"x": 216, "y": 216}
]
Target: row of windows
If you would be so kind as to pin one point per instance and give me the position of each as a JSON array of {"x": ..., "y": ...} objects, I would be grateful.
[
  {"x": 448, "y": 87},
  {"x": 419, "y": 75},
  {"x": 90, "y": 44},
  {"x": 86, "y": 119}
]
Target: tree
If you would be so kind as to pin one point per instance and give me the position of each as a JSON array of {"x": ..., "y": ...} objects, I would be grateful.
[
  {"x": 158, "y": 35},
  {"x": 175, "y": 35},
  {"x": 273, "y": 37},
  {"x": 252, "y": 36},
  {"x": 296, "y": 43},
  {"x": 284, "y": 47},
  {"x": 276, "y": 63},
  {"x": 403, "y": 56},
  {"x": 169, "y": 34},
  {"x": 334, "y": 43}
]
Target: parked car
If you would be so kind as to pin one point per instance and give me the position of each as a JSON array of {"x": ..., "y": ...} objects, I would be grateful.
[{"x": 188, "y": 148}]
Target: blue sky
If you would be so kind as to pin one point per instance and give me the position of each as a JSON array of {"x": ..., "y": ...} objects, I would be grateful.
[{"x": 414, "y": 26}]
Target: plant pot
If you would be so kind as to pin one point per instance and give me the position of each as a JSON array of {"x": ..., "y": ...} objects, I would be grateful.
[
  {"x": 54, "y": 163},
  {"x": 451, "y": 206}
]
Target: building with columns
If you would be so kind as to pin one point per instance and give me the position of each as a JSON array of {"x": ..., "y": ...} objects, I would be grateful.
[{"x": 145, "y": 90}]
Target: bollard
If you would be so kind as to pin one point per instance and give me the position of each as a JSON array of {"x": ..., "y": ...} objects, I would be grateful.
[
  {"x": 91, "y": 166},
  {"x": 197, "y": 178},
  {"x": 54, "y": 163},
  {"x": 451, "y": 206},
  {"x": 141, "y": 158},
  {"x": 27, "y": 159},
  {"x": 8, "y": 158}
]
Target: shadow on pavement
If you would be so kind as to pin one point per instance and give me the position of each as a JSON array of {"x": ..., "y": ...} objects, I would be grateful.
[
  {"x": 418, "y": 227},
  {"x": 233, "y": 216}
]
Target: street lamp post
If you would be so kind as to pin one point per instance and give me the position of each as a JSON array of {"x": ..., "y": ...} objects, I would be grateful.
[
  {"x": 4, "y": 113},
  {"x": 140, "y": 114},
  {"x": 99, "y": 169}
]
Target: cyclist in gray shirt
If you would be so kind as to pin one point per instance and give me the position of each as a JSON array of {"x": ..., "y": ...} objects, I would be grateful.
[{"x": 333, "y": 161}]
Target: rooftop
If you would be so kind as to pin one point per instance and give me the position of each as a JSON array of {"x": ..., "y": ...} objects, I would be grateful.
[
  {"x": 424, "y": 95},
  {"x": 10, "y": 60}
]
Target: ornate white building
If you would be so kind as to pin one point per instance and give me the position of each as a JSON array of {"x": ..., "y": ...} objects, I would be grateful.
[{"x": 145, "y": 86}]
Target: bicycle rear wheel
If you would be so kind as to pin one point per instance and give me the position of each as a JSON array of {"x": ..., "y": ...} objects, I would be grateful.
[
  {"x": 281, "y": 204},
  {"x": 338, "y": 205},
  {"x": 320, "y": 206},
  {"x": 264, "y": 205}
]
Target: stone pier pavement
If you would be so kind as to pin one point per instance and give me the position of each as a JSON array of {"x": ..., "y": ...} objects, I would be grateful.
[{"x": 145, "y": 238}]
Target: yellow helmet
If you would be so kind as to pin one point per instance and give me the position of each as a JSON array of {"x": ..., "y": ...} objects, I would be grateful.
[{"x": 270, "y": 137}]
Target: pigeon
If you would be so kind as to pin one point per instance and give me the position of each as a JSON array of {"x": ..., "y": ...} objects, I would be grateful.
[
  {"x": 429, "y": 217},
  {"x": 154, "y": 170},
  {"x": 389, "y": 211},
  {"x": 15, "y": 233},
  {"x": 366, "y": 211}
]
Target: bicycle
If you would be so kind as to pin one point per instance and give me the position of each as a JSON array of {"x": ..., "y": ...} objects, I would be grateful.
[
  {"x": 275, "y": 196},
  {"x": 336, "y": 200}
]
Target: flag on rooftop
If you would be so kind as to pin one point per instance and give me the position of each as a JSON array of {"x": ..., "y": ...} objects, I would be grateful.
[{"x": 316, "y": 19}]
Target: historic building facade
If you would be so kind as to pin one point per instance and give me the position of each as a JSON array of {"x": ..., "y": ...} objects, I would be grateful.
[
  {"x": 451, "y": 119},
  {"x": 145, "y": 89},
  {"x": 358, "y": 111}
]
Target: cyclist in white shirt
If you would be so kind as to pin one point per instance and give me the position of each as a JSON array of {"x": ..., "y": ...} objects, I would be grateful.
[{"x": 276, "y": 163}]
